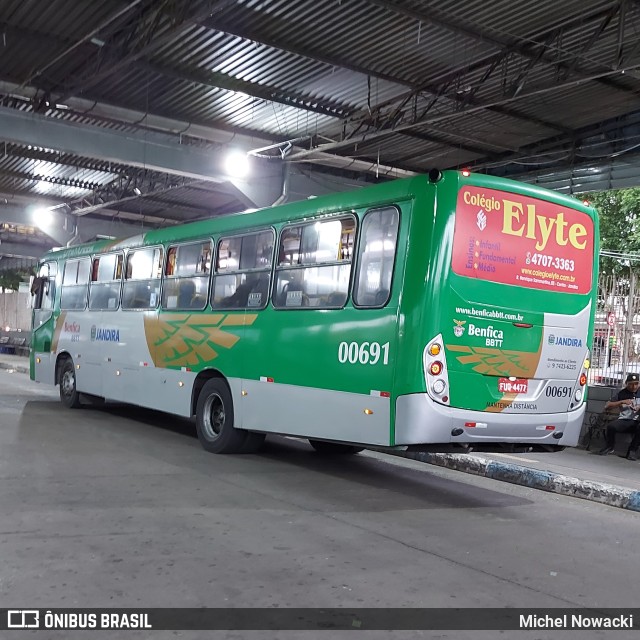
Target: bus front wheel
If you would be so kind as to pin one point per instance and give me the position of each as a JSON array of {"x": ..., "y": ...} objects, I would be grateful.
[
  {"x": 334, "y": 448},
  {"x": 69, "y": 395},
  {"x": 214, "y": 419}
]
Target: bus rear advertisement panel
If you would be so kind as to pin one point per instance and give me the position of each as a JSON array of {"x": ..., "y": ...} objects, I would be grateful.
[{"x": 523, "y": 241}]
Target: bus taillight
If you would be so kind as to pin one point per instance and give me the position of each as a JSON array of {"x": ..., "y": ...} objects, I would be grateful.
[
  {"x": 436, "y": 368},
  {"x": 435, "y": 371},
  {"x": 579, "y": 388}
]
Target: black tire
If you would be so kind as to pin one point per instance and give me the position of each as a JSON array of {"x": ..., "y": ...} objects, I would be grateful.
[
  {"x": 334, "y": 448},
  {"x": 214, "y": 419},
  {"x": 69, "y": 395}
]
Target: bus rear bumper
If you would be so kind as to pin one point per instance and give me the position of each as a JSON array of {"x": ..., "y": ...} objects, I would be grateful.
[{"x": 420, "y": 420}]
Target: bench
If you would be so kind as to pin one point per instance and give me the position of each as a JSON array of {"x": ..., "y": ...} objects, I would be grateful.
[{"x": 598, "y": 425}]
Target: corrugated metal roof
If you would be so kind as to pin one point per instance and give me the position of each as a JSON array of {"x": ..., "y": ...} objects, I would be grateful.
[{"x": 510, "y": 87}]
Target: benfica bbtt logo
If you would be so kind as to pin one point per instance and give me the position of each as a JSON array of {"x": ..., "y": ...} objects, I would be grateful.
[{"x": 458, "y": 330}]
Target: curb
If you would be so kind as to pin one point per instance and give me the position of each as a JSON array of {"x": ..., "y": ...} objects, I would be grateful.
[
  {"x": 608, "y": 494},
  {"x": 16, "y": 368}
]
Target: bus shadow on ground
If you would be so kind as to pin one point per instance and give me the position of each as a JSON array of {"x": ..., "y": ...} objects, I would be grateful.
[
  {"x": 380, "y": 485},
  {"x": 408, "y": 487}
]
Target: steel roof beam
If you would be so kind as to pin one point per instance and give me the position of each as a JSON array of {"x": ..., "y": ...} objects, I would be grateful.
[
  {"x": 86, "y": 38},
  {"x": 144, "y": 150},
  {"x": 526, "y": 50},
  {"x": 66, "y": 182},
  {"x": 142, "y": 121},
  {"x": 63, "y": 228},
  {"x": 141, "y": 37},
  {"x": 611, "y": 138},
  {"x": 199, "y": 76},
  {"x": 264, "y": 92},
  {"x": 425, "y": 119}
]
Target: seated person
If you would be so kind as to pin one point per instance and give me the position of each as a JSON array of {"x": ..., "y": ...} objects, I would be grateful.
[
  {"x": 382, "y": 295},
  {"x": 260, "y": 289},
  {"x": 186, "y": 294},
  {"x": 239, "y": 297},
  {"x": 627, "y": 400},
  {"x": 336, "y": 299},
  {"x": 292, "y": 293}
]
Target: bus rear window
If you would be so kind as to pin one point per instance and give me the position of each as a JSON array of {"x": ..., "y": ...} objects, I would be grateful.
[{"x": 518, "y": 240}]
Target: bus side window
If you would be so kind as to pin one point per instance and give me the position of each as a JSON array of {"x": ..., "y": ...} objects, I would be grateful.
[
  {"x": 314, "y": 264},
  {"x": 242, "y": 271},
  {"x": 75, "y": 278},
  {"x": 186, "y": 281},
  {"x": 106, "y": 274},
  {"x": 376, "y": 258},
  {"x": 141, "y": 287}
]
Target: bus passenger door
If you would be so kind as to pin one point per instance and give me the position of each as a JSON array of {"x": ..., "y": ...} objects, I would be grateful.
[{"x": 43, "y": 290}]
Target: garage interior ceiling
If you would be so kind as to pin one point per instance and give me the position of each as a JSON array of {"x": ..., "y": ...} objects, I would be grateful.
[{"x": 117, "y": 115}]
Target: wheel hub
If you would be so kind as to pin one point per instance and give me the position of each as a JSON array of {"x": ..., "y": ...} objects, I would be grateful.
[
  {"x": 213, "y": 416},
  {"x": 68, "y": 383}
]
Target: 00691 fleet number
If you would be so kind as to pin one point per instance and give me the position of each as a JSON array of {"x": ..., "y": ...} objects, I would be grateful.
[
  {"x": 363, "y": 352},
  {"x": 554, "y": 391}
]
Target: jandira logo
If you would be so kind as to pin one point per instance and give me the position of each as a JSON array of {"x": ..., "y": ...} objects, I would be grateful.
[
  {"x": 101, "y": 334},
  {"x": 565, "y": 341},
  {"x": 458, "y": 330}
]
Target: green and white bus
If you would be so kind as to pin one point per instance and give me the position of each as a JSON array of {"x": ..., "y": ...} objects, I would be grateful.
[{"x": 438, "y": 313}]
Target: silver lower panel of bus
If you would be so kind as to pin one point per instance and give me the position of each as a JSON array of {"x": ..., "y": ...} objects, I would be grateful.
[
  {"x": 44, "y": 370},
  {"x": 420, "y": 420},
  {"x": 313, "y": 413}
]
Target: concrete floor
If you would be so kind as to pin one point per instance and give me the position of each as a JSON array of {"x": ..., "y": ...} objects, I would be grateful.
[{"x": 120, "y": 507}]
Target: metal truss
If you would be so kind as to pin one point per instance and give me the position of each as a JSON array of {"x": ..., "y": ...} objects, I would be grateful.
[{"x": 126, "y": 187}]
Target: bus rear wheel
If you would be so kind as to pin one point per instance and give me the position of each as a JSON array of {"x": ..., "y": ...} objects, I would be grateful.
[
  {"x": 214, "y": 419},
  {"x": 69, "y": 395},
  {"x": 334, "y": 448}
]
